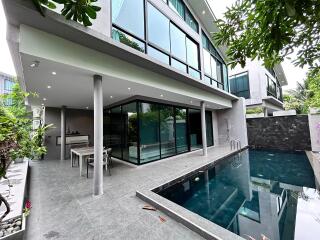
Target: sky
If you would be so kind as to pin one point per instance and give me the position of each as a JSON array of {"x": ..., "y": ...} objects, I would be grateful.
[{"x": 292, "y": 73}]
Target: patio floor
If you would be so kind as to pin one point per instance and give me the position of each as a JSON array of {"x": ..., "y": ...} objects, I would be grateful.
[{"x": 63, "y": 206}]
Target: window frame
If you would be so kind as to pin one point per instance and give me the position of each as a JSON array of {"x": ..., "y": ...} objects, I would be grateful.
[
  {"x": 219, "y": 60},
  {"x": 164, "y": 51},
  {"x": 239, "y": 75}
]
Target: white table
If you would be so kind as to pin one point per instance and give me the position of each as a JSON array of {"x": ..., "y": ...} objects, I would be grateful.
[{"x": 83, "y": 152}]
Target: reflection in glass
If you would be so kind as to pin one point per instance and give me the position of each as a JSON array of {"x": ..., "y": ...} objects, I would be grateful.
[
  {"x": 219, "y": 72},
  {"x": 127, "y": 40},
  {"x": 149, "y": 132},
  {"x": 213, "y": 68},
  {"x": 192, "y": 54},
  {"x": 209, "y": 130},
  {"x": 207, "y": 80},
  {"x": 207, "y": 64},
  {"x": 181, "y": 130},
  {"x": 158, "y": 55},
  {"x": 131, "y": 21},
  {"x": 167, "y": 131},
  {"x": 178, "y": 65},
  {"x": 195, "y": 129},
  {"x": 191, "y": 21},
  {"x": 178, "y": 42},
  {"x": 115, "y": 137},
  {"x": 158, "y": 28},
  {"x": 177, "y": 6},
  {"x": 130, "y": 141},
  {"x": 194, "y": 73}
]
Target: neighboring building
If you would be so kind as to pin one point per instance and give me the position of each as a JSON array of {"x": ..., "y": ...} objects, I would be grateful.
[
  {"x": 150, "y": 65},
  {"x": 261, "y": 87},
  {"x": 6, "y": 84}
]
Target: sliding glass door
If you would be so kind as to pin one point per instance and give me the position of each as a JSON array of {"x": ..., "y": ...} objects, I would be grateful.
[
  {"x": 195, "y": 135},
  {"x": 167, "y": 131},
  {"x": 181, "y": 130}
]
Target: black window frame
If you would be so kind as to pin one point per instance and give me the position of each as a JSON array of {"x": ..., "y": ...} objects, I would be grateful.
[
  {"x": 238, "y": 75},
  {"x": 186, "y": 9},
  {"x": 148, "y": 43},
  {"x": 159, "y": 104},
  {"x": 214, "y": 54}
]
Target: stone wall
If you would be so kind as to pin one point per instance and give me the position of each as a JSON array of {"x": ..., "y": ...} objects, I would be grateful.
[{"x": 283, "y": 133}]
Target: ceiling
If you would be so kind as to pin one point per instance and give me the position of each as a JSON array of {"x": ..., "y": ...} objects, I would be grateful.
[{"x": 73, "y": 87}]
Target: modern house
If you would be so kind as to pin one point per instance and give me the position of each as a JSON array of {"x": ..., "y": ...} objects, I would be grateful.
[
  {"x": 145, "y": 79},
  {"x": 6, "y": 84},
  {"x": 260, "y": 86}
]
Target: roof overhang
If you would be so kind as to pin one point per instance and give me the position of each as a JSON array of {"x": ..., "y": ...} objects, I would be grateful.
[{"x": 21, "y": 12}]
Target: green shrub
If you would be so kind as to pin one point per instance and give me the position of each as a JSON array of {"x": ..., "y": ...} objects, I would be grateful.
[{"x": 254, "y": 110}]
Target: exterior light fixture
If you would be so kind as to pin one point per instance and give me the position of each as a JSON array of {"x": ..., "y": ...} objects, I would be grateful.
[
  {"x": 49, "y": 86},
  {"x": 34, "y": 64},
  {"x": 203, "y": 12},
  {"x": 161, "y": 95},
  {"x": 44, "y": 99},
  {"x": 111, "y": 96},
  {"x": 129, "y": 88},
  {"x": 54, "y": 73}
]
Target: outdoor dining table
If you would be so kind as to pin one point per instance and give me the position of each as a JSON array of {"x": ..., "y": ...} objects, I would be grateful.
[{"x": 82, "y": 153}]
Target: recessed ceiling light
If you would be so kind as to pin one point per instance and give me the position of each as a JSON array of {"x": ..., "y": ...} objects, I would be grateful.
[
  {"x": 48, "y": 86},
  {"x": 54, "y": 73},
  {"x": 34, "y": 64},
  {"x": 87, "y": 107},
  {"x": 161, "y": 95},
  {"x": 129, "y": 88},
  {"x": 42, "y": 104},
  {"x": 111, "y": 96},
  {"x": 203, "y": 12},
  {"x": 44, "y": 99},
  {"x": 191, "y": 101}
]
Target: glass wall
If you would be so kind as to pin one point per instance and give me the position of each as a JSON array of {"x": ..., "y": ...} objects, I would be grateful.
[
  {"x": 239, "y": 85},
  {"x": 141, "y": 132},
  {"x": 130, "y": 132},
  {"x": 209, "y": 129},
  {"x": 181, "y": 130},
  {"x": 195, "y": 135},
  {"x": 167, "y": 131},
  {"x": 214, "y": 67},
  {"x": 149, "y": 132},
  {"x": 164, "y": 41}
]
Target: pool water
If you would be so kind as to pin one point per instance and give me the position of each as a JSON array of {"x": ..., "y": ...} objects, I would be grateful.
[{"x": 254, "y": 193}]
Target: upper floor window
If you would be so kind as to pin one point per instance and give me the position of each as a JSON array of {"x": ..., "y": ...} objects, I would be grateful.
[
  {"x": 239, "y": 85},
  {"x": 274, "y": 88},
  {"x": 8, "y": 87},
  {"x": 124, "y": 17},
  {"x": 182, "y": 10},
  {"x": 164, "y": 41},
  {"x": 214, "y": 68}
]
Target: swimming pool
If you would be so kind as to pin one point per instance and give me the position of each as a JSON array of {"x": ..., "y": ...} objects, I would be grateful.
[{"x": 254, "y": 193}]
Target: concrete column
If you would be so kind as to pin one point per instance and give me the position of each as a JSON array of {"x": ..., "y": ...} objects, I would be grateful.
[
  {"x": 63, "y": 133},
  {"x": 98, "y": 136},
  {"x": 204, "y": 128}
]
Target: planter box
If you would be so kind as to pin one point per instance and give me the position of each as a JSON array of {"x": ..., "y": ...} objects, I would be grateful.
[
  {"x": 284, "y": 113},
  {"x": 255, "y": 115},
  {"x": 314, "y": 110},
  {"x": 18, "y": 235}
]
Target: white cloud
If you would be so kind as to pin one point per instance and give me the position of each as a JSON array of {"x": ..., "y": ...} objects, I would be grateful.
[{"x": 6, "y": 64}]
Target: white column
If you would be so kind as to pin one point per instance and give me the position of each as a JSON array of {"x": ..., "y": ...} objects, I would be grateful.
[
  {"x": 204, "y": 128},
  {"x": 63, "y": 133},
  {"x": 98, "y": 136}
]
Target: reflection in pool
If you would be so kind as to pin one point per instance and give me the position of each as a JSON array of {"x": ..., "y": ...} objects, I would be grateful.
[{"x": 255, "y": 193}]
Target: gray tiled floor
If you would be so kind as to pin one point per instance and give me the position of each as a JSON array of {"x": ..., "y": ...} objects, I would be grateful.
[{"x": 63, "y": 206}]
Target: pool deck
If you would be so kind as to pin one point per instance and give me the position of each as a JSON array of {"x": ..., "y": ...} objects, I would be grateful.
[{"x": 63, "y": 206}]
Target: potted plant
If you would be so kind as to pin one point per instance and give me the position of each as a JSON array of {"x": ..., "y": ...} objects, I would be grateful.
[{"x": 39, "y": 150}]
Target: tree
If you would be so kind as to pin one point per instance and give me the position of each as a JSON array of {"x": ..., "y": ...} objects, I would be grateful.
[
  {"x": 313, "y": 87},
  {"x": 78, "y": 10},
  {"x": 271, "y": 30},
  {"x": 16, "y": 139}
]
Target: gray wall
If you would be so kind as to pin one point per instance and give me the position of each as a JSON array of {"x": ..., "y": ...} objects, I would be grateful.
[
  {"x": 232, "y": 123},
  {"x": 282, "y": 133},
  {"x": 76, "y": 120}
]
